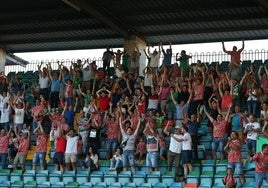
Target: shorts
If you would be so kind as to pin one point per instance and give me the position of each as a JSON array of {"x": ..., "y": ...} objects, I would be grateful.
[
  {"x": 152, "y": 159},
  {"x": 260, "y": 176},
  {"x": 20, "y": 157},
  {"x": 70, "y": 157},
  {"x": 217, "y": 144},
  {"x": 111, "y": 144},
  {"x": 251, "y": 145},
  {"x": 128, "y": 158},
  {"x": 39, "y": 157},
  {"x": 237, "y": 167},
  {"x": 58, "y": 158},
  {"x": 186, "y": 157}
]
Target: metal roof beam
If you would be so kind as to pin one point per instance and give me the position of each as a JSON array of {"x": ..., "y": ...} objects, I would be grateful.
[
  {"x": 58, "y": 39},
  {"x": 84, "y": 6}
]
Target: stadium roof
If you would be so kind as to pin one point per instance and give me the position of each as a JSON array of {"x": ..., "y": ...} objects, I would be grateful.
[{"x": 49, "y": 25}]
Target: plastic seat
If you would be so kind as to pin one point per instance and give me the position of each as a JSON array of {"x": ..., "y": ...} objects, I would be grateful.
[
  {"x": 72, "y": 185},
  {"x": 55, "y": 176},
  {"x": 28, "y": 175},
  {"x": 4, "y": 175},
  {"x": 104, "y": 165},
  {"x": 68, "y": 176},
  {"x": 43, "y": 184},
  {"x": 168, "y": 177},
  {"x": 110, "y": 177},
  {"x": 145, "y": 185},
  {"x": 176, "y": 185},
  {"x": 17, "y": 184},
  {"x": 41, "y": 176},
  {"x": 57, "y": 184},
  {"x": 192, "y": 180},
  {"x": 191, "y": 185},
  {"x": 82, "y": 176},
  {"x": 100, "y": 185},
  {"x": 205, "y": 182},
  {"x": 220, "y": 171},
  {"x": 160, "y": 185},
  {"x": 129, "y": 185},
  {"x": 95, "y": 177},
  {"x": 124, "y": 177},
  {"x": 249, "y": 165},
  {"x": 86, "y": 185},
  {"x": 154, "y": 177},
  {"x": 16, "y": 175},
  {"x": 207, "y": 171},
  {"x": 218, "y": 182},
  {"x": 115, "y": 185},
  {"x": 30, "y": 184},
  {"x": 139, "y": 177}
]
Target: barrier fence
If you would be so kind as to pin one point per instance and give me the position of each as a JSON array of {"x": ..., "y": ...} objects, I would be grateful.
[{"x": 208, "y": 57}]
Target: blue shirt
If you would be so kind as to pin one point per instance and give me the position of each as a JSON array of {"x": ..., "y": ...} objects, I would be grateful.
[
  {"x": 193, "y": 127},
  {"x": 55, "y": 85},
  {"x": 236, "y": 120}
]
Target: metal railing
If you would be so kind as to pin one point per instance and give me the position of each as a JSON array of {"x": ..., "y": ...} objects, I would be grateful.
[{"x": 203, "y": 56}]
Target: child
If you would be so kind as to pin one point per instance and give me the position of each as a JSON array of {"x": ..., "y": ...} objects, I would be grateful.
[
  {"x": 141, "y": 149},
  {"x": 162, "y": 147},
  {"x": 229, "y": 180},
  {"x": 116, "y": 161}
]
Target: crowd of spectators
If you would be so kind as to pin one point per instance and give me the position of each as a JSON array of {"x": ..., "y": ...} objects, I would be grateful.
[{"x": 135, "y": 113}]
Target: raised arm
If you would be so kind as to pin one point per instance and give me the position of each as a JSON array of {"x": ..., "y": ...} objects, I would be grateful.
[
  {"x": 137, "y": 129},
  {"x": 243, "y": 46},
  {"x": 223, "y": 47},
  {"x": 209, "y": 117}
]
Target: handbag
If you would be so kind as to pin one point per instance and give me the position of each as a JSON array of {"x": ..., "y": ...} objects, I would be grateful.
[{"x": 124, "y": 143}]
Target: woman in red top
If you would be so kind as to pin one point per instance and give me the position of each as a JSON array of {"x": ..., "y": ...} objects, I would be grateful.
[{"x": 233, "y": 147}]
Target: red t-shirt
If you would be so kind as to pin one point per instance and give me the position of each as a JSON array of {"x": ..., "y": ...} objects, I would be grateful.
[
  {"x": 24, "y": 144},
  {"x": 198, "y": 92},
  {"x": 234, "y": 155},
  {"x": 219, "y": 128},
  {"x": 112, "y": 130},
  {"x": 226, "y": 101},
  {"x": 261, "y": 162},
  {"x": 141, "y": 147},
  {"x": 61, "y": 144},
  {"x": 41, "y": 143},
  {"x": 37, "y": 112},
  {"x": 104, "y": 103},
  {"x": 4, "y": 144}
]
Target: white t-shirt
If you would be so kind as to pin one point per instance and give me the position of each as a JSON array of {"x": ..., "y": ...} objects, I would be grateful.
[
  {"x": 174, "y": 145},
  {"x": 154, "y": 60},
  {"x": 71, "y": 146},
  {"x": 187, "y": 143},
  {"x": 5, "y": 114},
  {"x": 251, "y": 134},
  {"x": 43, "y": 82},
  {"x": 19, "y": 115}
]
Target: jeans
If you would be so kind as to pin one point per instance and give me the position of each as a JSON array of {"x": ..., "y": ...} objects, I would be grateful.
[
  {"x": 3, "y": 157},
  {"x": 252, "y": 106}
]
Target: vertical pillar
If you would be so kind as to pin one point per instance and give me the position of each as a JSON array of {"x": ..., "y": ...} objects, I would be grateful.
[
  {"x": 2, "y": 60},
  {"x": 129, "y": 46}
]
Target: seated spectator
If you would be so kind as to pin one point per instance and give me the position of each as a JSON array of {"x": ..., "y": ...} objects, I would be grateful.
[
  {"x": 116, "y": 162},
  {"x": 91, "y": 161}
]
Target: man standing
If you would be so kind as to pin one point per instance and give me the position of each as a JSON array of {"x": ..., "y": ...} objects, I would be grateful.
[
  {"x": 261, "y": 168},
  {"x": 4, "y": 146},
  {"x": 106, "y": 58}
]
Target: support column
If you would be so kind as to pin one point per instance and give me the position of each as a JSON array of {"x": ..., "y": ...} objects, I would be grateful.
[
  {"x": 129, "y": 46},
  {"x": 2, "y": 61}
]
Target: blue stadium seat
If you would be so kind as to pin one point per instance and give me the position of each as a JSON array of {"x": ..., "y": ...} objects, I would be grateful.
[
  {"x": 176, "y": 185},
  {"x": 205, "y": 182},
  {"x": 72, "y": 185},
  {"x": 154, "y": 177},
  {"x": 100, "y": 185},
  {"x": 129, "y": 185},
  {"x": 17, "y": 184},
  {"x": 41, "y": 176},
  {"x": 86, "y": 185},
  {"x": 168, "y": 177},
  {"x": 160, "y": 185},
  {"x": 57, "y": 184},
  {"x": 30, "y": 184},
  {"x": 124, "y": 177},
  {"x": 95, "y": 177},
  {"x": 115, "y": 185},
  {"x": 207, "y": 171},
  {"x": 68, "y": 176},
  {"x": 43, "y": 184},
  {"x": 110, "y": 177},
  {"x": 28, "y": 175},
  {"x": 16, "y": 175},
  {"x": 218, "y": 183},
  {"x": 4, "y": 175},
  {"x": 82, "y": 176},
  {"x": 145, "y": 185},
  {"x": 139, "y": 177},
  {"x": 55, "y": 176}
]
